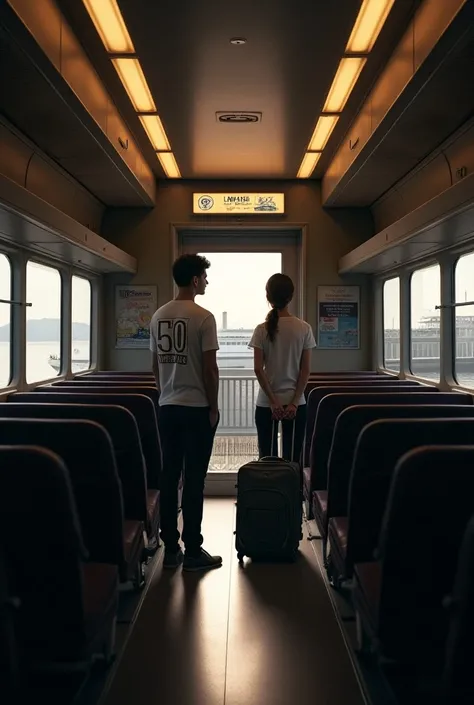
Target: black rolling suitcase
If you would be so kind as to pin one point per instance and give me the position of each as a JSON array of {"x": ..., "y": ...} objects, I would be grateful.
[{"x": 269, "y": 508}]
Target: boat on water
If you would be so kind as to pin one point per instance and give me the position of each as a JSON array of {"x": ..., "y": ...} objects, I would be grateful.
[{"x": 76, "y": 363}]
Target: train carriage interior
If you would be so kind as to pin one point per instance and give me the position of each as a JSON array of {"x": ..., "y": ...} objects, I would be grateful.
[{"x": 329, "y": 141}]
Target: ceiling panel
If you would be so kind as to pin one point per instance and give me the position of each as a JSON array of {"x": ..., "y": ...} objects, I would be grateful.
[{"x": 283, "y": 71}]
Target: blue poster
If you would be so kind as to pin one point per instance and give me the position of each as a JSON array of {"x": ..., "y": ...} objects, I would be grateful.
[{"x": 338, "y": 317}]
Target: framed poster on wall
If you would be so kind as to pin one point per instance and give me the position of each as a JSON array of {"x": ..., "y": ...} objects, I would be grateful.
[
  {"x": 339, "y": 317},
  {"x": 134, "y": 307}
]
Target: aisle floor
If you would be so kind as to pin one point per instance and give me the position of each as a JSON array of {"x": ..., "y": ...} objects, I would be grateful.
[{"x": 257, "y": 635}]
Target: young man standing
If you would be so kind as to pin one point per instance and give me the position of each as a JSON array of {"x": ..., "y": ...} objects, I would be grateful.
[{"x": 183, "y": 341}]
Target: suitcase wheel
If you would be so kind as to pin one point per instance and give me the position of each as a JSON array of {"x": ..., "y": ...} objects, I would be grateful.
[{"x": 240, "y": 557}]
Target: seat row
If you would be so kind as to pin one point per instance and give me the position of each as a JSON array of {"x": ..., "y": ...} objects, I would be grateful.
[
  {"x": 80, "y": 467},
  {"x": 391, "y": 484},
  {"x": 80, "y": 470},
  {"x": 319, "y": 426}
]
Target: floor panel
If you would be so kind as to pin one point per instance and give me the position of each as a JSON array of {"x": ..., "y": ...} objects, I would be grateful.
[
  {"x": 176, "y": 654},
  {"x": 284, "y": 640},
  {"x": 253, "y": 635}
]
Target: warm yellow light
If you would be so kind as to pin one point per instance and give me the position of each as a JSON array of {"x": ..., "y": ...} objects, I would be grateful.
[
  {"x": 344, "y": 81},
  {"x": 310, "y": 160},
  {"x": 170, "y": 167},
  {"x": 155, "y": 132},
  {"x": 370, "y": 20},
  {"x": 108, "y": 20},
  {"x": 135, "y": 84},
  {"x": 322, "y": 132}
]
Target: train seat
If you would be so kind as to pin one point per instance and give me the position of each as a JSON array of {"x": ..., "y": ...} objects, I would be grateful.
[
  {"x": 349, "y": 413},
  {"x": 321, "y": 429},
  {"x": 67, "y": 609},
  {"x": 88, "y": 453},
  {"x": 371, "y": 479},
  {"x": 457, "y": 681},
  {"x": 400, "y": 598}
]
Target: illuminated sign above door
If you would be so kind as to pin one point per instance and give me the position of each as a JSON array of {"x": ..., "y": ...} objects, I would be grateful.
[{"x": 238, "y": 203}]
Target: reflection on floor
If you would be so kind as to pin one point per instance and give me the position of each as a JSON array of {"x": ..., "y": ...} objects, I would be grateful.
[{"x": 257, "y": 635}]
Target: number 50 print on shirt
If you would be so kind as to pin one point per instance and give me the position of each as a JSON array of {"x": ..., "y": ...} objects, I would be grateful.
[{"x": 172, "y": 341}]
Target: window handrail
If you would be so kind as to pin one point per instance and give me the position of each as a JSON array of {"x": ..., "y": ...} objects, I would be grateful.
[
  {"x": 14, "y": 303},
  {"x": 453, "y": 305}
]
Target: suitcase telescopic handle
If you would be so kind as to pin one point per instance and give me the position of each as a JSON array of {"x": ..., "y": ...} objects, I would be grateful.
[{"x": 275, "y": 423}]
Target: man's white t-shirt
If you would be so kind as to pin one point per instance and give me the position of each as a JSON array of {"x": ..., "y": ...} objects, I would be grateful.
[
  {"x": 282, "y": 357},
  {"x": 180, "y": 331}
]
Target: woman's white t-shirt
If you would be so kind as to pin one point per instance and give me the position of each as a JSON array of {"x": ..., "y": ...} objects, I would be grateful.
[{"x": 282, "y": 357}]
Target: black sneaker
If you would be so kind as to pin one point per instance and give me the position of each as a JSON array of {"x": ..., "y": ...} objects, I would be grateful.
[
  {"x": 173, "y": 559},
  {"x": 203, "y": 561}
]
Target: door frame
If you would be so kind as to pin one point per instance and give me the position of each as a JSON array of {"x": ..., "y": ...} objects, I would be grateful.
[
  {"x": 223, "y": 483},
  {"x": 301, "y": 258}
]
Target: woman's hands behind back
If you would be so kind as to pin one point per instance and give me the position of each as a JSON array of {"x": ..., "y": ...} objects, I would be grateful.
[
  {"x": 290, "y": 411},
  {"x": 278, "y": 411}
]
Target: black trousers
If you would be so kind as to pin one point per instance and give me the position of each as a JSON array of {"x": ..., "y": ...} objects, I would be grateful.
[
  {"x": 264, "y": 421},
  {"x": 186, "y": 443}
]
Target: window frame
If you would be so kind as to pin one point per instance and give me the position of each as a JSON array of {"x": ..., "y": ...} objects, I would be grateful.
[
  {"x": 62, "y": 280},
  {"x": 460, "y": 383},
  {"x": 422, "y": 267},
  {"x": 384, "y": 282},
  {"x": 9, "y": 378},
  {"x": 74, "y": 275}
]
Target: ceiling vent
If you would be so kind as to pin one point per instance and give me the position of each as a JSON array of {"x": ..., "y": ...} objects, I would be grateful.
[{"x": 238, "y": 117}]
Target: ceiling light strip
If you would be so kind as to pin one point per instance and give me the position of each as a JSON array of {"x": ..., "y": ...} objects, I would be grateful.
[
  {"x": 308, "y": 164},
  {"x": 322, "y": 132},
  {"x": 344, "y": 81},
  {"x": 170, "y": 167},
  {"x": 156, "y": 132},
  {"x": 134, "y": 82},
  {"x": 111, "y": 27},
  {"x": 367, "y": 27},
  {"x": 109, "y": 23}
]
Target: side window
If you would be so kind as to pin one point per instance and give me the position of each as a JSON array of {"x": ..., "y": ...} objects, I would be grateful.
[
  {"x": 81, "y": 324},
  {"x": 5, "y": 318},
  {"x": 425, "y": 323},
  {"x": 464, "y": 316},
  {"x": 43, "y": 322},
  {"x": 391, "y": 324}
]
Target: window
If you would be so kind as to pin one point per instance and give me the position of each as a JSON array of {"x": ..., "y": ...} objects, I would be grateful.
[
  {"x": 5, "y": 316},
  {"x": 81, "y": 324},
  {"x": 391, "y": 324},
  {"x": 464, "y": 317},
  {"x": 43, "y": 322},
  {"x": 425, "y": 323}
]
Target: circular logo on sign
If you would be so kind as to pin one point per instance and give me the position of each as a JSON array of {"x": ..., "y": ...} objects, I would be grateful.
[{"x": 205, "y": 203}]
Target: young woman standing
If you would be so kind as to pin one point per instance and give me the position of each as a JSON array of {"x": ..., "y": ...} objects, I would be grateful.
[{"x": 282, "y": 362}]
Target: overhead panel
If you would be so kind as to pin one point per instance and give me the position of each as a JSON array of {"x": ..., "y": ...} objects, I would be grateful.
[
  {"x": 443, "y": 223},
  {"x": 422, "y": 95},
  {"x": 28, "y": 221},
  {"x": 73, "y": 117}
]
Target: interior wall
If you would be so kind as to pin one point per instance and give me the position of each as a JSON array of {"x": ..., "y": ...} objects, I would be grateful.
[{"x": 147, "y": 235}]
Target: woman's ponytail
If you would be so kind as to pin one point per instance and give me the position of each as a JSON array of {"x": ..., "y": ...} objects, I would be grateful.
[
  {"x": 280, "y": 290},
  {"x": 271, "y": 324}
]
